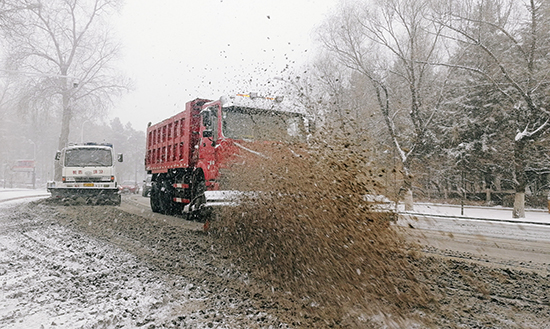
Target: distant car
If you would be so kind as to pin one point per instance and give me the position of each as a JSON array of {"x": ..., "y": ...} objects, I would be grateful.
[
  {"x": 129, "y": 186},
  {"x": 146, "y": 191}
]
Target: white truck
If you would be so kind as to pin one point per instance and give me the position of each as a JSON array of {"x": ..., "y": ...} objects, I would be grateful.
[{"x": 88, "y": 172}]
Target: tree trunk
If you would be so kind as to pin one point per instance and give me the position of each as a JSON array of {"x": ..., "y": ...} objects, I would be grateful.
[
  {"x": 407, "y": 185},
  {"x": 409, "y": 204},
  {"x": 521, "y": 179},
  {"x": 64, "y": 136},
  {"x": 498, "y": 180},
  {"x": 519, "y": 206}
]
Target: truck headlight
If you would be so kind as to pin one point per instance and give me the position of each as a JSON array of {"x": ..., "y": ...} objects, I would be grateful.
[{"x": 67, "y": 179}]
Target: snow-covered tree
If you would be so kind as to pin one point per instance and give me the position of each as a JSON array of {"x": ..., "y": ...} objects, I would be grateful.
[
  {"x": 511, "y": 42},
  {"x": 65, "y": 49},
  {"x": 390, "y": 43}
]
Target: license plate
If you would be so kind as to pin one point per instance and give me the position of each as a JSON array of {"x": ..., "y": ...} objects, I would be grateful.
[{"x": 89, "y": 184}]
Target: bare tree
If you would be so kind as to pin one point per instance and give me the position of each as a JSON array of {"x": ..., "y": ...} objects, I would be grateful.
[
  {"x": 513, "y": 40},
  {"x": 390, "y": 43},
  {"x": 65, "y": 48},
  {"x": 319, "y": 90}
]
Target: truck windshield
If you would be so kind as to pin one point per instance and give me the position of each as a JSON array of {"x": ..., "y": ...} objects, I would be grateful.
[
  {"x": 88, "y": 157},
  {"x": 262, "y": 125}
]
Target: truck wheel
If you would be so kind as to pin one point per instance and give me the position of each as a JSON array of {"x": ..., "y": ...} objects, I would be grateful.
[
  {"x": 199, "y": 199},
  {"x": 166, "y": 194},
  {"x": 155, "y": 195}
]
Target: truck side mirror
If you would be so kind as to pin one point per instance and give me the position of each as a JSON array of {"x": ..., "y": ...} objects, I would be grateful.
[
  {"x": 207, "y": 133},
  {"x": 58, "y": 155},
  {"x": 120, "y": 157},
  {"x": 206, "y": 120}
]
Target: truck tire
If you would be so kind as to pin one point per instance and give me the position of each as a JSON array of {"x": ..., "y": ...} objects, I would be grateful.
[
  {"x": 154, "y": 199},
  {"x": 117, "y": 199},
  {"x": 166, "y": 195},
  {"x": 198, "y": 197}
]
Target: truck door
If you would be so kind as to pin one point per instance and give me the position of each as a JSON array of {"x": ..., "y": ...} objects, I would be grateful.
[{"x": 209, "y": 140}]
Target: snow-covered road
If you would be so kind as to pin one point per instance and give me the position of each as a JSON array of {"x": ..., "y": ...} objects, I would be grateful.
[
  {"x": 69, "y": 267},
  {"x": 11, "y": 195},
  {"x": 498, "y": 213},
  {"x": 489, "y": 234},
  {"x": 109, "y": 267}
]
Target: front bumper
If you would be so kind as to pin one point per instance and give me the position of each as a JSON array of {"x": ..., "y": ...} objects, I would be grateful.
[{"x": 82, "y": 189}]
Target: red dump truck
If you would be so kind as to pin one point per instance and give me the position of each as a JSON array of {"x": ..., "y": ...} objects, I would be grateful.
[{"x": 186, "y": 151}]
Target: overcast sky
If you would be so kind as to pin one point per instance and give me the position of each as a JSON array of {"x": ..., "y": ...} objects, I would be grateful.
[{"x": 178, "y": 50}]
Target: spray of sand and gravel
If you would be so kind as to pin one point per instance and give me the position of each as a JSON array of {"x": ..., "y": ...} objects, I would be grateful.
[{"x": 309, "y": 231}]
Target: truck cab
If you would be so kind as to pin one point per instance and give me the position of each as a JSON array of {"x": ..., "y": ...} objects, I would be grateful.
[{"x": 87, "y": 171}]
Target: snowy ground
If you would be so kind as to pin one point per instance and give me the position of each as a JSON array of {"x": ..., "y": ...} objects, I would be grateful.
[
  {"x": 54, "y": 277},
  {"x": 493, "y": 222},
  {"x": 9, "y": 195},
  {"x": 125, "y": 267},
  {"x": 102, "y": 267},
  {"x": 497, "y": 213}
]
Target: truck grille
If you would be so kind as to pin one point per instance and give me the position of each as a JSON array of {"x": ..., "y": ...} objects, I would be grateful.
[{"x": 88, "y": 179}]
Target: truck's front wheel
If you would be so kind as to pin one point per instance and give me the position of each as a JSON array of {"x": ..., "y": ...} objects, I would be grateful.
[{"x": 198, "y": 197}]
